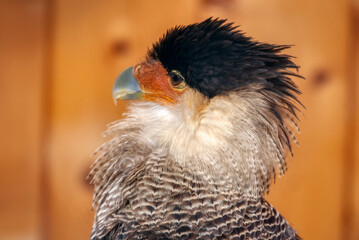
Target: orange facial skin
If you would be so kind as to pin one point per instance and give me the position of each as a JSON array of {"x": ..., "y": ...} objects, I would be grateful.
[{"x": 154, "y": 82}]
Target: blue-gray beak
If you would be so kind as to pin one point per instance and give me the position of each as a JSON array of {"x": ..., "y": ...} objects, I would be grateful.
[{"x": 126, "y": 86}]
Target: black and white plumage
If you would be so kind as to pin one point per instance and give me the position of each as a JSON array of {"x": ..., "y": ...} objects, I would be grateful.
[{"x": 194, "y": 159}]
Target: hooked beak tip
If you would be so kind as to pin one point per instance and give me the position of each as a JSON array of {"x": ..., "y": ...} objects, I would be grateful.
[{"x": 126, "y": 87}]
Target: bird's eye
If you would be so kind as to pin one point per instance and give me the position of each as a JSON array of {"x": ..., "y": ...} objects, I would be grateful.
[{"x": 177, "y": 80}]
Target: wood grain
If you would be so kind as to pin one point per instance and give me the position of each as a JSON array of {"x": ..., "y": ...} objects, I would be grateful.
[
  {"x": 92, "y": 41},
  {"x": 21, "y": 78},
  {"x": 353, "y": 121}
]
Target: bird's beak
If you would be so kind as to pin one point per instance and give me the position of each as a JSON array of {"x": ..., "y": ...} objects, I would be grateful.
[{"x": 126, "y": 86}]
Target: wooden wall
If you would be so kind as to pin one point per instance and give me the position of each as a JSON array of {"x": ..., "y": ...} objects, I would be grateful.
[
  {"x": 22, "y": 40},
  {"x": 58, "y": 61}
]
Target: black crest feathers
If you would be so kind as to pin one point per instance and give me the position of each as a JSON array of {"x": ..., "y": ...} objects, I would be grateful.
[{"x": 215, "y": 57}]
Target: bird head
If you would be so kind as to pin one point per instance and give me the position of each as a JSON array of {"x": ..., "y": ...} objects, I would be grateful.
[{"x": 217, "y": 101}]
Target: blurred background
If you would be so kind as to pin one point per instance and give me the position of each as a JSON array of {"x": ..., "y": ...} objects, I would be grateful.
[{"x": 59, "y": 59}]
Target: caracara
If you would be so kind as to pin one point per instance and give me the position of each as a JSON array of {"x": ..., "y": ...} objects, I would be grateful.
[{"x": 194, "y": 157}]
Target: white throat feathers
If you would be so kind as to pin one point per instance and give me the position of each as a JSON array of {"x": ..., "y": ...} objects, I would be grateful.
[{"x": 233, "y": 141}]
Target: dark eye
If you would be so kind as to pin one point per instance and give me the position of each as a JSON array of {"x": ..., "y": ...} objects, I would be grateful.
[{"x": 177, "y": 80}]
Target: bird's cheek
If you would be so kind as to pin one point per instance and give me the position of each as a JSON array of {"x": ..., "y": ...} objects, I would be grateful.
[{"x": 154, "y": 82}]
